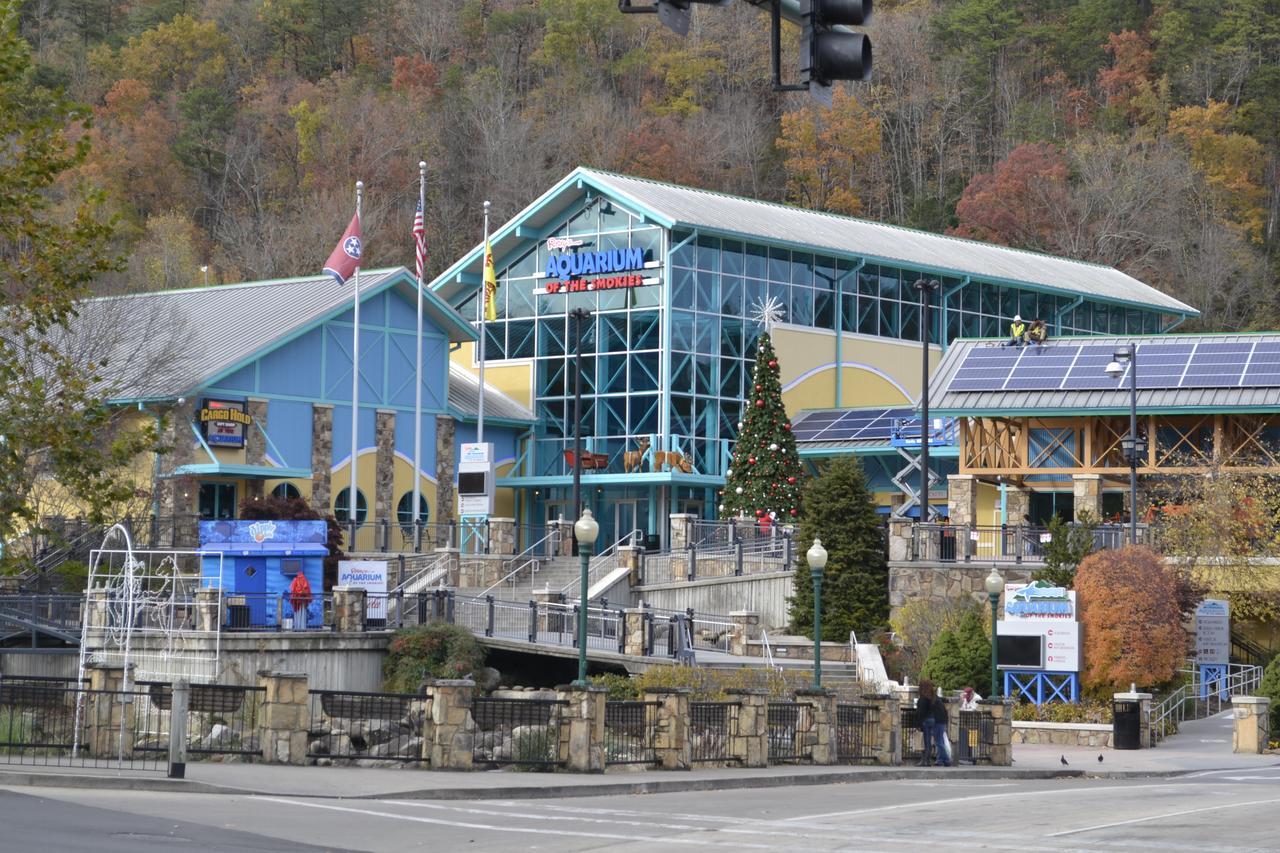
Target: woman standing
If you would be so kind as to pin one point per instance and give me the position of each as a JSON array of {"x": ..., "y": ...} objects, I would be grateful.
[{"x": 926, "y": 710}]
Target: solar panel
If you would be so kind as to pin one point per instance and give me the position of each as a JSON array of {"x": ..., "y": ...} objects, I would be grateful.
[
  {"x": 849, "y": 425},
  {"x": 1161, "y": 365}
]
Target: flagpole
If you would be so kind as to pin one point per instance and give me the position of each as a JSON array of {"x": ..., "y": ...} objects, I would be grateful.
[
  {"x": 352, "y": 518},
  {"x": 417, "y": 394},
  {"x": 480, "y": 303}
]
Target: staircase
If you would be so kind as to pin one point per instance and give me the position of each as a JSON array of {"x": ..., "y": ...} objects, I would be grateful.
[{"x": 553, "y": 573}]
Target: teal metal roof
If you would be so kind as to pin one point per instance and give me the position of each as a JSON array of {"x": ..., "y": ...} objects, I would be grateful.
[{"x": 674, "y": 206}]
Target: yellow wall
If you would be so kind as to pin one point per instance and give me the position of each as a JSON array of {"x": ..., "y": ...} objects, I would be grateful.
[
  {"x": 513, "y": 378},
  {"x": 874, "y": 371}
]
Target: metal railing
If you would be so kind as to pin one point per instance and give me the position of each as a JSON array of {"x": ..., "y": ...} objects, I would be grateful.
[
  {"x": 273, "y": 611},
  {"x": 710, "y": 726},
  {"x": 783, "y": 725},
  {"x": 706, "y": 630},
  {"x": 222, "y": 719},
  {"x": 856, "y": 733},
  {"x": 528, "y": 559},
  {"x": 1017, "y": 543},
  {"x": 629, "y": 732},
  {"x": 912, "y": 737},
  {"x": 604, "y": 562},
  {"x": 1198, "y": 699},
  {"x": 350, "y": 725},
  {"x": 60, "y": 614},
  {"x": 523, "y": 732},
  {"x": 976, "y": 735},
  {"x": 436, "y": 571},
  {"x": 758, "y": 556}
]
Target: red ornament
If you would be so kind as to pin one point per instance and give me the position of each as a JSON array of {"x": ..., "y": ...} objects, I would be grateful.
[
  {"x": 793, "y": 512},
  {"x": 787, "y": 426},
  {"x": 773, "y": 362},
  {"x": 759, "y": 513},
  {"x": 759, "y": 387},
  {"x": 759, "y": 404},
  {"x": 751, "y": 459},
  {"x": 791, "y": 480}
]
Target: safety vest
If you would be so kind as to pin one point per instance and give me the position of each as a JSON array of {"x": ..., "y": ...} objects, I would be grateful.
[{"x": 1016, "y": 329}]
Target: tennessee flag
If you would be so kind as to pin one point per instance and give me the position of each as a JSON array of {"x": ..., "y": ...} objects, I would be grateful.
[
  {"x": 490, "y": 284},
  {"x": 345, "y": 256}
]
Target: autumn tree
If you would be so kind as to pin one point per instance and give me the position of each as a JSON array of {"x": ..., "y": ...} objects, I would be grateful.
[
  {"x": 53, "y": 418},
  {"x": 827, "y": 151},
  {"x": 1130, "y": 621},
  {"x": 1018, "y": 204}
]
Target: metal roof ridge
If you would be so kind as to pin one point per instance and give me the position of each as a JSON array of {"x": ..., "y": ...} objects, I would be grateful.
[
  {"x": 454, "y": 367},
  {"x": 238, "y": 285}
]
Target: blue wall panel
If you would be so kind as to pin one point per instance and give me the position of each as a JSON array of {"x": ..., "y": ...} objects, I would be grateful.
[
  {"x": 293, "y": 369},
  {"x": 435, "y": 369},
  {"x": 342, "y": 435},
  {"x": 503, "y": 439},
  {"x": 241, "y": 380},
  {"x": 337, "y": 362},
  {"x": 404, "y": 439},
  {"x": 289, "y": 425},
  {"x": 401, "y": 313},
  {"x": 373, "y": 357},
  {"x": 401, "y": 368}
]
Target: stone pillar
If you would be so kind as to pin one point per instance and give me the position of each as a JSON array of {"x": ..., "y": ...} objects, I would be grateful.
[
  {"x": 962, "y": 498},
  {"x": 1252, "y": 730},
  {"x": 502, "y": 536},
  {"x": 321, "y": 456},
  {"x": 671, "y": 728},
  {"x": 582, "y": 727},
  {"x": 384, "y": 471},
  {"x": 746, "y": 627},
  {"x": 629, "y": 556},
  {"x": 1088, "y": 494},
  {"x": 349, "y": 608},
  {"x": 900, "y": 540},
  {"x": 285, "y": 717},
  {"x": 1017, "y": 505},
  {"x": 1144, "y": 712},
  {"x": 444, "y": 477},
  {"x": 109, "y": 723},
  {"x": 255, "y": 443},
  {"x": 681, "y": 530},
  {"x": 887, "y": 749},
  {"x": 635, "y": 634},
  {"x": 452, "y": 561},
  {"x": 208, "y": 609},
  {"x": 1001, "y": 713},
  {"x": 453, "y": 729},
  {"x": 816, "y": 731},
  {"x": 749, "y": 737},
  {"x": 176, "y": 435}
]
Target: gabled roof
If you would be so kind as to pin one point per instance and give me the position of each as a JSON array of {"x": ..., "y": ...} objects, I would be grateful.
[
  {"x": 676, "y": 206},
  {"x": 464, "y": 399},
  {"x": 944, "y": 401},
  {"x": 163, "y": 344}
]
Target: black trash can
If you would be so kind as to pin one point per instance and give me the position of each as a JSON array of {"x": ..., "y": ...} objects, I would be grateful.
[
  {"x": 652, "y": 542},
  {"x": 1126, "y": 726}
]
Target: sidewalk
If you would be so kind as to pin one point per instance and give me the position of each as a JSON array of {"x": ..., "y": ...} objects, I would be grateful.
[{"x": 1200, "y": 747}]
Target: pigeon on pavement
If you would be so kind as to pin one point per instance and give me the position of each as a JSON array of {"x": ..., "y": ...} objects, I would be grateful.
[
  {"x": 1099, "y": 757},
  {"x": 1063, "y": 759}
]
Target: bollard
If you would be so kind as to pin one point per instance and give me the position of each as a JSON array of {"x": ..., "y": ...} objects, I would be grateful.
[{"x": 180, "y": 702}]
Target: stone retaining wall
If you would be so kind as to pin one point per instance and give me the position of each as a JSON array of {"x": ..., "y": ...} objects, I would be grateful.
[
  {"x": 943, "y": 582},
  {"x": 1063, "y": 734}
]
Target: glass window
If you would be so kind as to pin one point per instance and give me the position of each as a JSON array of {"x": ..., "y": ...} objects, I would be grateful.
[
  {"x": 971, "y": 297},
  {"x": 708, "y": 334},
  {"x": 551, "y": 337},
  {"x": 342, "y": 506},
  {"x": 991, "y": 327},
  {"x": 849, "y": 312},
  {"x": 868, "y": 316},
  {"x": 217, "y": 500},
  {"x": 889, "y": 318},
  {"x": 801, "y": 311},
  {"x": 890, "y": 284},
  {"x": 911, "y": 321},
  {"x": 779, "y": 264},
  {"x": 404, "y": 511},
  {"x": 868, "y": 284},
  {"x": 1028, "y": 305},
  {"x": 731, "y": 288},
  {"x": 757, "y": 261},
  {"x": 990, "y": 299},
  {"x": 1009, "y": 303},
  {"x": 682, "y": 288},
  {"x": 644, "y": 330},
  {"x": 681, "y": 373},
  {"x": 731, "y": 337},
  {"x": 824, "y": 315},
  {"x": 525, "y": 265},
  {"x": 709, "y": 254},
  {"x": 708, "y": 295},
  {"x": 682, "y": 331},
  {"x": 731, "y": 257},
  {"x": 824, "y": 273},
  {"x": 755, "y": 294},
  {"x": 286, "y": 491},
  {"x": 648, "y": 240},
  {"x": 802, "y": 269},
  {"x": 684, "y": 255},
  {"x": 495, "y": 341}
]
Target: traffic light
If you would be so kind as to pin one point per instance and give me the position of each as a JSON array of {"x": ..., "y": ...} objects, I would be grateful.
[
  {"x": 827, "y": 53},
  {"x": 674, "y": 14}
]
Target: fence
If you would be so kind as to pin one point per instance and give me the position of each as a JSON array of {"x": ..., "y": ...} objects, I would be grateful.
[
  {"x": 348, "y": 725},
  {"x": 1197, "y": 699},
  {"x": 629, "y": 732},
  {"x": 270, "y": 611},
  {"x": 856, "y": 733},
  {"x": 222, "y": 719},
  {"x": 912, "y": 737},
  {"x": 1015, "y": 543},
  {"x": 709, "y": 730},
  {"x": 783, "y": 725},
  {"x": 976, "y": 735},
  {"x": 521, "y": 732},
  {"x": 56, "y": 722},
  {"x": 758, "y": 556}
]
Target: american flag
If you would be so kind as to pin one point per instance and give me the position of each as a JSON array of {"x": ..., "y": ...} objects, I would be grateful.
[{"x": 420, "y": 240}]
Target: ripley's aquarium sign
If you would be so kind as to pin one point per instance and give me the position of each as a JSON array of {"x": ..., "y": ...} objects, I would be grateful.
[{"x": 567, "y": 267}]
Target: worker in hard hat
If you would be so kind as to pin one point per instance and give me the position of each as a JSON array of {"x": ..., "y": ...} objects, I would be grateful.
[{"x": 1017, "y": 331}]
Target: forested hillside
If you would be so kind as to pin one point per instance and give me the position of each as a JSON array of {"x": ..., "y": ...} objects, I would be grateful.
[{"x": 1143, "y": 134}]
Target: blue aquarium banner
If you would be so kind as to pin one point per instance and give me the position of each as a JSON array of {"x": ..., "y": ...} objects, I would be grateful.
[{"x": 283, "y": 533}]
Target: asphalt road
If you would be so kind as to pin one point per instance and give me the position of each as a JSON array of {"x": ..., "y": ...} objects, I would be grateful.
[{"x": 1221, "y": 811}]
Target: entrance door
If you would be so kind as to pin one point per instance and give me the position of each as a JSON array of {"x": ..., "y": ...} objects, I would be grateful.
[
  {"x": 626, "y": 518},
  {"x": 554, "y": 512},
  {"x": 217, "y": 500}
]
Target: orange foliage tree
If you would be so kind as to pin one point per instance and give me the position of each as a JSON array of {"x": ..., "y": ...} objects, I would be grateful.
[{"x": 1132, "y": 629}]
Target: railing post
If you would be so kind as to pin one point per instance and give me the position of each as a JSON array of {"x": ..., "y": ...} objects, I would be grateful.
[
  {"x": 1017, "y": 543},
  {"x": 179, "y": 703},
  {"x": 488, "y": 626},
  {"x": 737, "y": 558},
  {"x": 533, "y": 621},
  {"x": 673, "y": 640},
  {"x": 788, "y": 552},
  {"x": 967, "y": 544},
  {"x": 622, "y": 631},
  {"x": 486, "y": 536},
  {"x": 693, "y": 562},
  {"x": 448, "y": 606},
  {"x": 453, "y": 534}
]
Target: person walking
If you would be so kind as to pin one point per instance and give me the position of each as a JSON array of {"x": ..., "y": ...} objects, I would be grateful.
[
  {"x": 941, "y": 743},
  {"x": 1017, "y": 331},
  {"x": 927, "y": 706},
  {"x": 300, "y": 600}
]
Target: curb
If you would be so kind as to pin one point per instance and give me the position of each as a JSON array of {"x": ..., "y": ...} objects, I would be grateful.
[{"x": 602, "y": 789}]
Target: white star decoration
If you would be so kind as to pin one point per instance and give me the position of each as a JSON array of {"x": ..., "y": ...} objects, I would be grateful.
[{"x": 767, "y": 313}]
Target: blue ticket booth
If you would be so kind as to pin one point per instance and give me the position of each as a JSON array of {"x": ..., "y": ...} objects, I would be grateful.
[{"x": 255, "y": 562}]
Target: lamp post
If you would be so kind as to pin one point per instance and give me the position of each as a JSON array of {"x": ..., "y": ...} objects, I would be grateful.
[
  {"x": 995, "y": 585},
  {"x": 817, "y": 557},
  {"x": 578, "y": 315},
  {"x": 1131, "y": 446},
  {"x": 585, "y": 530},
  {"x": 925, "y": 286}
]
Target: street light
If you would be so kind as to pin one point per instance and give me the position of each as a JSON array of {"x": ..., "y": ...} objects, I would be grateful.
[
  {"x": 585, "y": 530},
  {"x": 1132, "y": 446},
  {"x": 925, "y": 286},
  {"x": 578, "y": 315},
  {"x": 995, "y": 585},
  {"x": 817, "y": 557},
  {"x": 204, "y": 268}
]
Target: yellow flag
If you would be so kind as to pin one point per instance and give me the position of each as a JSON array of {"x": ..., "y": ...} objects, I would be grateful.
[{"x": 490, "y": 284}]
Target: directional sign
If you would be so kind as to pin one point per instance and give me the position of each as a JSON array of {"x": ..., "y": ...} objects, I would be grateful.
[{"x": 1213, "y": 631}]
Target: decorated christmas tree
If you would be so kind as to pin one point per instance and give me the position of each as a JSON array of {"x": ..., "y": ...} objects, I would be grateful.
[{"x": 765, "y": 478}]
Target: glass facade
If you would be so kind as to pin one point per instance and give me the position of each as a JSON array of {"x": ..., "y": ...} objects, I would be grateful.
[{"x": 674, "y": 356}]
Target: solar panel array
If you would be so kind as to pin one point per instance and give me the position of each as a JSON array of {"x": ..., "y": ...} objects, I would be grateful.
[
  {"x": 850, "y": 424},
  {"x": 1080, "y": 367}
]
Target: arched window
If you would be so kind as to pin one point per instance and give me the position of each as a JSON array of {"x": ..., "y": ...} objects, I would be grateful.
[
  {"x": 404, "y": 511},
  {"x": 342, "y": 504},
  {"x": 286, "y": 491}
]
